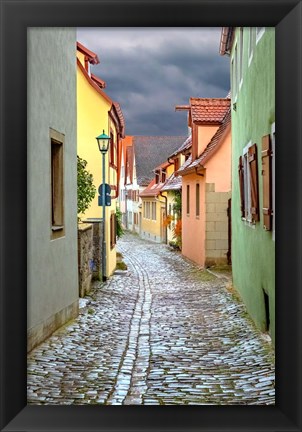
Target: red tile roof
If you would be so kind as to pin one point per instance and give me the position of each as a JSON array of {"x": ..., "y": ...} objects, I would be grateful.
[
  {"x": 210, "y": 149},
  {"x": 208, "y": 110},
  {"x": 92, "y": 57},
  {"x": 152, "y": 190},
  {"x": 120, "y": 117},
  {"x": 99, "y": 81}
]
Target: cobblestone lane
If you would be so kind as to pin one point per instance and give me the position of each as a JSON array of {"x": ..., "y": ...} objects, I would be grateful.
[{"x": 163, "y": 333}]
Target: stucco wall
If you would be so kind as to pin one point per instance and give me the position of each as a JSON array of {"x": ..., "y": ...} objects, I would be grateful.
[
  {"x": 92, "y": 118},
  {"x": 52, "y": 281},
  {"x": 193, "y": 228},
  {"x": 253, "y": 248},
  {"x": 151, "y": 229}
]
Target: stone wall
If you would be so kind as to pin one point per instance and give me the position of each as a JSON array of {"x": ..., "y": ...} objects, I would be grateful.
[
  {"x": 97, "y": 238},
  {"x": 216, "y": 225},
  {"x": 85, "y": 257}
]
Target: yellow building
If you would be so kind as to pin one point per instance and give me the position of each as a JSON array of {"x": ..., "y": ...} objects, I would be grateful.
[
  {"x": 154, "y": 207},
  {"x": 97, "y": 112}
]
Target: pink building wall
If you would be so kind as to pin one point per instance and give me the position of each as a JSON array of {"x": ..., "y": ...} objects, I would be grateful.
[{"x": 217, "y": 172}]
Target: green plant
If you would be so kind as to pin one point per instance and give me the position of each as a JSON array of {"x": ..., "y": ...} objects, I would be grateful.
[
  {"x": 119, "y": 228},
  {"x": 178, "y": 225},
  {"x": 86, "y": 188},
  {"x": 177, "y": 203}
]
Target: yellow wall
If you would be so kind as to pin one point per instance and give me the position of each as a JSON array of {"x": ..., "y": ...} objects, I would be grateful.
[
  {"x": 92, "y": 118},
  {"x": 150, "y": 226}
]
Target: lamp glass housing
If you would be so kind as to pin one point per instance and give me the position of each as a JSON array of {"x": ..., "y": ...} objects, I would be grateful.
[{"x": 103, "y": 142}]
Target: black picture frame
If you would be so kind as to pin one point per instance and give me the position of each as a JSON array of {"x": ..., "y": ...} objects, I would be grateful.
[{"x": 16, "y": 17}]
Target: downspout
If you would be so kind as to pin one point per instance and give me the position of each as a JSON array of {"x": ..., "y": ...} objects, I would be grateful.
[{"x": 166, "y": 210}]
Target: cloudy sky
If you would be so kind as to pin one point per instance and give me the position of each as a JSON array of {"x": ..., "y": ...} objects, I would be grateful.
[{"x": 151, "y": 70}]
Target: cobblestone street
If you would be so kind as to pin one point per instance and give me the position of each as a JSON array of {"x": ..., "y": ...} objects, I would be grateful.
[{"x": 164, "y": 332}]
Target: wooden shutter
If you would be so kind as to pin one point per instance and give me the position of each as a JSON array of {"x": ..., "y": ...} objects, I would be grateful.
[
  {"x": 112, "y": 230},
  {"x": 241, "y": 186},
  {"x": 266, "y": 155},
  {"x": 252, "y": 158}
]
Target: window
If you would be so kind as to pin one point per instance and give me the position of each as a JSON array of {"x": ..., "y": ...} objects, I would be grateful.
[
  {"x": 197, "y": 200},
  {"x": 176, "y": 164},
  {"x": 57, "y": 184},
  {"x": 156, "y": 176},
  {"x": 112, "y": 149},
  {"x": 154, "y": 211},
  {"x": 170, "y": 209},
  {"x": 163, "y": 176},
  {"x": 268, "y": 181},
  {"x": 248, "y": 182},
  {"x": 188, "y": 199},
  {"x": 135, "y": 218},
  {"x": 112, "y": 230},
  {"x": 147, "y": 210}
]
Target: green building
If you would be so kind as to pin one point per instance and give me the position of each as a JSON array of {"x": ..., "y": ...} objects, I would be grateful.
[{"x": 252, "y": 61}]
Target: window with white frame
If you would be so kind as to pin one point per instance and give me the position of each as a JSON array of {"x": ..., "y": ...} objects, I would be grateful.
[{"x": 153, "y": 217}]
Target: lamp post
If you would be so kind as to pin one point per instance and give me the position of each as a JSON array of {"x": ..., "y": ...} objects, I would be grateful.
[{"x": 103, "y": 144}]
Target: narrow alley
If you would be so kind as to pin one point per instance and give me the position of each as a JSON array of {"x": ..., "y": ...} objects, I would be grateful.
[{"x": 162, "y": 332}]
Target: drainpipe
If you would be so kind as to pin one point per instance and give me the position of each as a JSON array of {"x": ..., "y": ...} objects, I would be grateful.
[{"x": 166, "y": 210}]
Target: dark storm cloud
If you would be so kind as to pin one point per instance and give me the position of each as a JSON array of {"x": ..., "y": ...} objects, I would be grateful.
[{"x": 149, "y": 71}]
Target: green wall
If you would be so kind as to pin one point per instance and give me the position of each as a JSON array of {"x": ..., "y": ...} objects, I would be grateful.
[{"x": 253, "y": 248}]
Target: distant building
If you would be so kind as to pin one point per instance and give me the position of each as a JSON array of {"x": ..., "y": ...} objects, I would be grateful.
[{"x": 142, "y": 154}]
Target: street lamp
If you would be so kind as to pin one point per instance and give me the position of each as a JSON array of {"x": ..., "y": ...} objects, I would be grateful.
[{"x": 103, "y": 144}]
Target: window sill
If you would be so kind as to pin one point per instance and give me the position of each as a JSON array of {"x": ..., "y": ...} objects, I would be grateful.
[
  {"x": 249, "y": 223},
  {"x": 57, "y": 228}
]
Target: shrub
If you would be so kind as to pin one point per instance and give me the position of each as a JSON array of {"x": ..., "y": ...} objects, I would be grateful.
[{"x": 86, "y": 188}]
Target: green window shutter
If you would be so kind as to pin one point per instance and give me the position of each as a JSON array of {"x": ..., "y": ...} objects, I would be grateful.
[
  {"x": 266, "y": 155},
  {"x": 253, "y": 164},
  {"x": 241, "y": 186}
]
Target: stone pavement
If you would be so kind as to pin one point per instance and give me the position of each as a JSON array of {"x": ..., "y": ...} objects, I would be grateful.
[{"x": 163, "y": 333}]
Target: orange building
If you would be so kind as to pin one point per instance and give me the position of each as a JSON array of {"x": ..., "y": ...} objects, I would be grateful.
[{"x": 206, "y": 183}]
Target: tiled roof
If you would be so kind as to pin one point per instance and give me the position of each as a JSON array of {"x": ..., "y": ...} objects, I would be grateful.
[
  {"x": 172, "y": 183},
  {"x": 210, "y": 149},
  {"x": 152, "y": 151},
  {"x": 184, "y": 146},
  {"x": 153, "y": 189},
  {"x": 121, "y": 117},
  {"x": 92, "y": 57},
  {"x": 209, "y": 110},
  {"x": 185, "y": 165},
  {"x": 99, "y": 81}
]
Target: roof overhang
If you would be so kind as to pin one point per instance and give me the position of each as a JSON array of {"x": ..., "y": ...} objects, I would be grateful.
[{"x": 226, "y": 40}]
